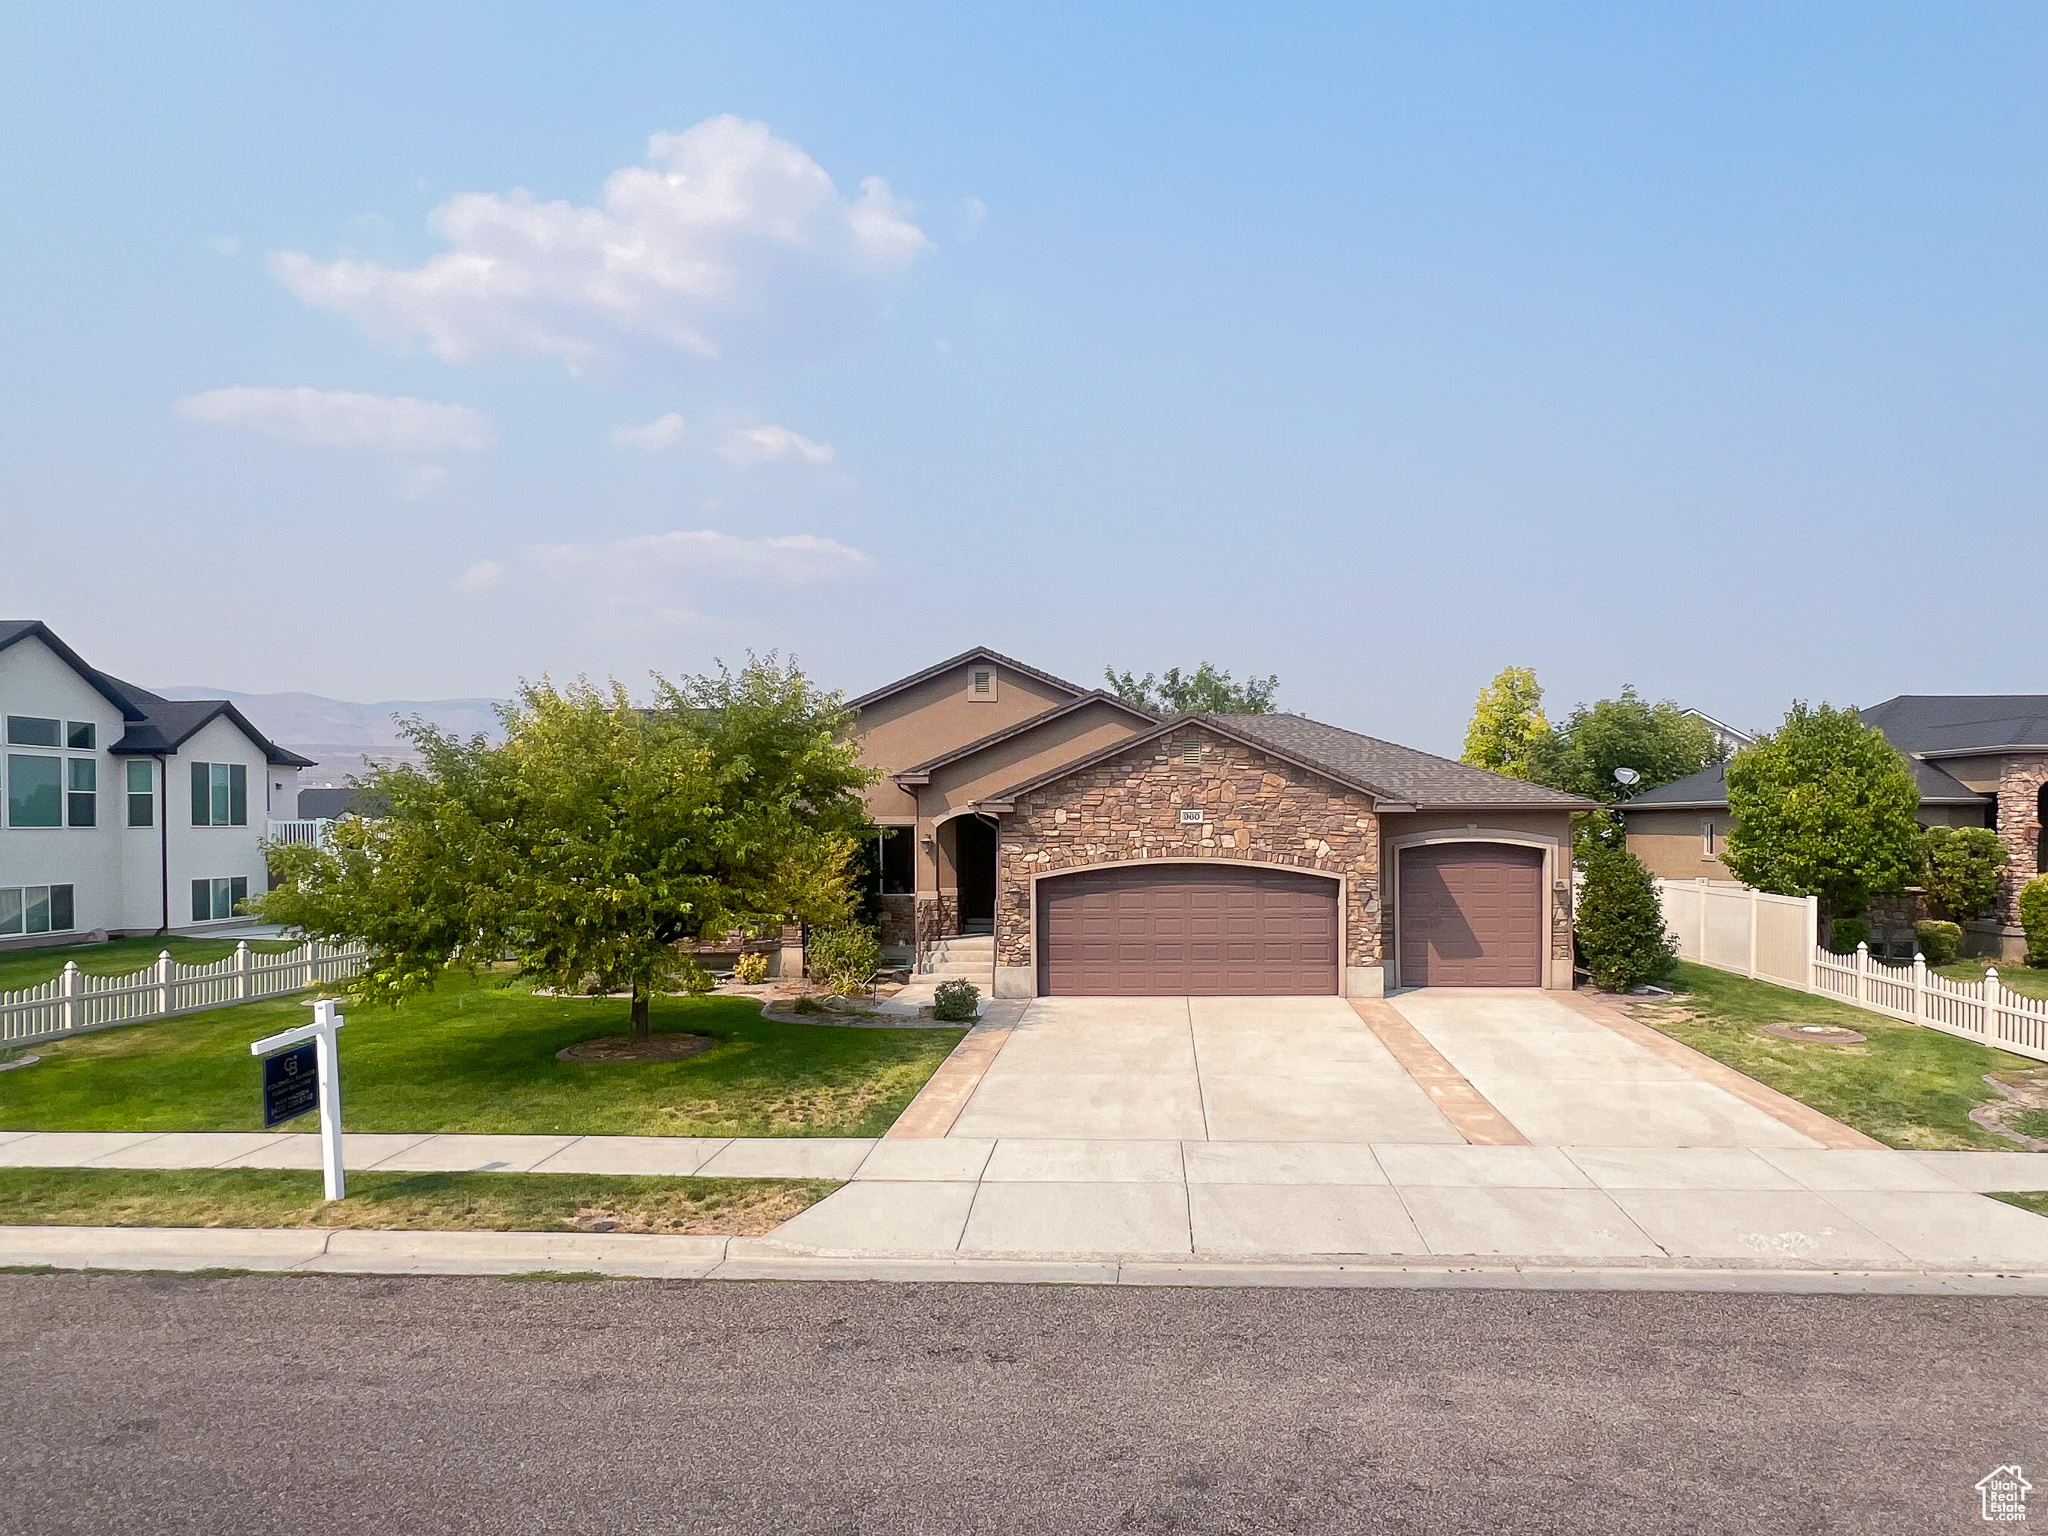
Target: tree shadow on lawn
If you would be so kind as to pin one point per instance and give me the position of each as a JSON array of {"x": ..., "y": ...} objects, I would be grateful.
[{"x": 479, "y": 1056}]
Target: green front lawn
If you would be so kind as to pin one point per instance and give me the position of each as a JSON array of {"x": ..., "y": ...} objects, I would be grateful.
[
  {"x": 117, "y": 957},
  {"x": 2023, "y": 979},
  {"x": 479, "y": 1055},
  {"x": 1906, "y": 1086},
  {"x": 2034, "y": 1201},
  {"x": 409, "y": 1202}
]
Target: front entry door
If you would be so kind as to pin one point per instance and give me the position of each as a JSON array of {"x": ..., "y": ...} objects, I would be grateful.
[{"x": 975, "y": 866}]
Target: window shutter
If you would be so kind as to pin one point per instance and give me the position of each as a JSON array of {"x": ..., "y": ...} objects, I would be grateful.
[
  {"x": 202, "y": 798},
  {"x": 238, "y": 795}
]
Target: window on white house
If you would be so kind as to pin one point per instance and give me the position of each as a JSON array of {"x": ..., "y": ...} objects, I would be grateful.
[
  {"x": 141, "y": 794},
  {"x": 220, "y": 795},
  {"x": 34, "y": 731},
  {"x": 1707, "y": 847},
  {"x": 81, "y": 735},
  {"x": 35, "y": 790},
  {"x": 35, "y": 909},
  {"x": 216, "y": 899},
  {"x": 82, "y": 786}
]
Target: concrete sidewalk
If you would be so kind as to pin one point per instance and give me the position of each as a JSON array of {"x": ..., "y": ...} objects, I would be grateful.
[{"x": 1117, "y": 1201}]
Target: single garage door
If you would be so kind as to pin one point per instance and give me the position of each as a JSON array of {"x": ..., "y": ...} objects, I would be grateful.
[
  {"x": 1471, "y": 915},
  {"x": 1176, "y": 930}
]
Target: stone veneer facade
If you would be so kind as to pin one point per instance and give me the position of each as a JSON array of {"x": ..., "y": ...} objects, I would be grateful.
[
  {"x": 2019, "y": 825},
  {"x": 1258, "y": 809}
]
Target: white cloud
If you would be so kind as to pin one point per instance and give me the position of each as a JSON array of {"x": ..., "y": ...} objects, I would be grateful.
[
  {"x": 749, "y": 446},
  {"x": 658, "y": 436},
  {"x": 338, "y": 418},
  {"x": 421, "y": 482},
  {"x": 728, "y": 243},
  {"x": 668, "y": 579}
]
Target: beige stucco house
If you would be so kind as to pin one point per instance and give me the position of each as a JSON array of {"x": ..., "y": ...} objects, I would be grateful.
[
  {"x": 1981, "y": 760},
  {"x": 1094, "y": 848}
]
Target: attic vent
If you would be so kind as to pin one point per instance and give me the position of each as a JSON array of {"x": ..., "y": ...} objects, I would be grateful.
[
  {"x": 984, "y": 682},
  {"x": 1191, "y": 753}
]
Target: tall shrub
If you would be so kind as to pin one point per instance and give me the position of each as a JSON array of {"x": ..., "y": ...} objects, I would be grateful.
[
  {"x": 1961, "y": 870},
  {"x": 1824, "y": 806},
  {"x": 2034, "y": 918},
  {"x": 1621, "y": 930}
]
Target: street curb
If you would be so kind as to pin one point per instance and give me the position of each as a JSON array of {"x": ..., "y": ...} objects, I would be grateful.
[{"x": 343, "y": 1251}]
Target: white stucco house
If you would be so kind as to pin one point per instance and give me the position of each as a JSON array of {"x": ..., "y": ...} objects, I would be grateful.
[{"x": 125, "y": 813}]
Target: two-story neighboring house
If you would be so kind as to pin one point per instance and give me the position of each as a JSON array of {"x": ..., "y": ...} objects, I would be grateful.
[
  {"x": 1073, "y": 845},
  {"x": 125, "y": 813}
]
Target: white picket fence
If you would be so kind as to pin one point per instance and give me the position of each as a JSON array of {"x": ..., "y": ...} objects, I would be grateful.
[
  {"x": 1776, "y": 938},
  {"x": 74, "y": 1002}
]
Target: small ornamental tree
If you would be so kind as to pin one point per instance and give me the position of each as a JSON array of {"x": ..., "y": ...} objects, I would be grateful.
[
  {"x": 1621, "y": 932},
  {"x": 1204, "y": 691},
  {"x": 595, "y": 838},
  {"x": 1961, "y": 869},
  {"x": 1823, "y": 806},
  {"x": 1508, "y": 733}
]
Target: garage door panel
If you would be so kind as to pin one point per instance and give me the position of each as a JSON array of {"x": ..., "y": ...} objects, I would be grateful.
[
  {"x": 1472, "y": 915},
  {"x": 1223, "y": 930}
]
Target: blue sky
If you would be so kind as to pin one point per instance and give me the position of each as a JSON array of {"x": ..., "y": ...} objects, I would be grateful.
[{"x": 1376, "y": 347}]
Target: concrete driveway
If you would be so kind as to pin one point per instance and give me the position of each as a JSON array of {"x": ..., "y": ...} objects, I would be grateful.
[
  {"x": 1240, "y": 1069},
  {"x": 1564, "y": 1080}
]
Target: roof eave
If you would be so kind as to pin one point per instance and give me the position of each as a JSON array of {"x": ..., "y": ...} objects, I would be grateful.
[{"x": 874, "y": 696}]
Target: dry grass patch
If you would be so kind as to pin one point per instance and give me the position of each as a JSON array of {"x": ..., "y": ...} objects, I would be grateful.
[{"x": 406, "y": 1202}]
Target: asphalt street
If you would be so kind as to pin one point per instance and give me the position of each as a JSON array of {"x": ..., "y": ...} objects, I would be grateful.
[{"x": 143, "y": 1404}]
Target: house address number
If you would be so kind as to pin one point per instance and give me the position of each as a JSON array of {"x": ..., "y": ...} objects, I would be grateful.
[{"x": 1191, "y": 818}]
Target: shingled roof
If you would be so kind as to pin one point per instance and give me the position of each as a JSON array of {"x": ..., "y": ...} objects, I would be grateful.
[
  {"x": 1962, "y": 724},
  {"x": 1390, "y": 771},
  {"x": 154, "y": 724},
  {"x": 1707, "y": 790},
  {"x": 1399, "y": 778}
]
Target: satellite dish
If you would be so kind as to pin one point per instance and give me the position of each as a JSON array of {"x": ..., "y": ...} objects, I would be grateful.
[{"x": 1627, "y": 778}]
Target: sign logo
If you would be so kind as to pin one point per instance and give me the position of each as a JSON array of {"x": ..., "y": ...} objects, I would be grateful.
[{"x": 2004, "y": 1492}]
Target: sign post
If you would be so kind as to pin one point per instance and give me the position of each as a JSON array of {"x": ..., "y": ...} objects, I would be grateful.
[{"x": 293, "y": 1084}]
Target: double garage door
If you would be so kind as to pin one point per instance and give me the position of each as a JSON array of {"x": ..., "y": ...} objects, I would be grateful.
[
  {"x": 1187, "y": 930},
  {"x": 1469, "y": 915}
]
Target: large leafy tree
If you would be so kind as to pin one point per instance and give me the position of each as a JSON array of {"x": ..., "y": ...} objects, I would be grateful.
[
  {"x": 595, "y": 837},
  {"x": 1659, "y": 741},
  {"x": 1823, "y": 806},
  {"x": 1508, "y": 731},
  {"x": 1204, "y": 691}
]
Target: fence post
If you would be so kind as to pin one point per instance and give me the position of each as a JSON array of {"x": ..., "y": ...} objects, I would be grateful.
[
  {"x": 242, "y": 970},
  {"x": 70, "y": 990},
  {"x": 1919, "y": 985},
  {"x": 1862, "y": 971},
  {"x": 1755, "y": 916},
  {"x": 163, "y": 983},
  {"x": 1812, "y": 943}
]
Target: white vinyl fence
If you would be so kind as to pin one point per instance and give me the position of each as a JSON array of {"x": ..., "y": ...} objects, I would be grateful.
[
  {"x": 74, "y": 1002},
  {"x": 1776, "y": 938}
]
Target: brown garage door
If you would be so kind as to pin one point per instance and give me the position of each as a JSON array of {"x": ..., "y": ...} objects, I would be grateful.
[
  {"x": 1471, "y": 916},
  {"x": 1177, "y": 930}
]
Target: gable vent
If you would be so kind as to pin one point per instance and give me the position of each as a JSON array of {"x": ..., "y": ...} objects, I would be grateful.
[{"x": 1191, "y": 753}]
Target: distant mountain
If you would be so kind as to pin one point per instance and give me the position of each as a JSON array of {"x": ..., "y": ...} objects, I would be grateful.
[{"x": 345, "y": 738}]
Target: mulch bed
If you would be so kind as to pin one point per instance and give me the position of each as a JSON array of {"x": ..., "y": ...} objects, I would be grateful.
[{"x": 626, "y": 1048}]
